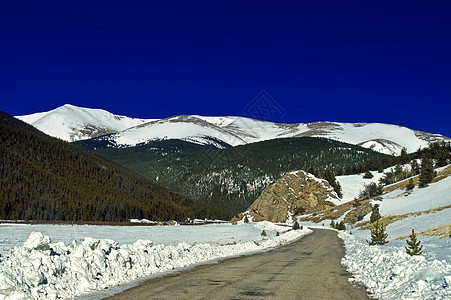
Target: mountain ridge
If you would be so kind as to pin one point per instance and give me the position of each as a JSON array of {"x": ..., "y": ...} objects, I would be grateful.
[{"x": 73, "y": 123}]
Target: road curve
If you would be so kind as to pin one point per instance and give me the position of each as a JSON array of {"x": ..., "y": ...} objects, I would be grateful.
[{"x": 307, "y": 269}]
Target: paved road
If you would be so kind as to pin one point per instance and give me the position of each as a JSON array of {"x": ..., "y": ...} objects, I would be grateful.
[{"x": 307, "y": 269}]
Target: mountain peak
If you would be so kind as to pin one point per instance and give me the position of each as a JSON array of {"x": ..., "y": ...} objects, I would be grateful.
[{"x": 73, "y": 123}]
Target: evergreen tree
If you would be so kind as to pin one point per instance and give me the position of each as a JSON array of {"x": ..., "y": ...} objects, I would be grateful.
[
  {"x": 378, "y": 235},
  {"x": 312, "y": 171},
  {"x": 403, "y": 158},
  {"x": 296, "y": 225},
  {"x": 413, "y": 246},
  {"x": 410, "y": 184},
  {"x": 340, "y": 226},
  {"x": 263, "y": 233},
  {"x": 370, "y": 190},
  {"x": 427, "y": 172},
  {"x": 330, "y": 177},
  {"x": 375, "y": 214},
  {"x": 246, "y": 220},
  {"x": 332, "y": 224},
  {"x": 442, "y": 156},
  {"x": 277, "y": 233},
  {"x": 415, "y": 168}
]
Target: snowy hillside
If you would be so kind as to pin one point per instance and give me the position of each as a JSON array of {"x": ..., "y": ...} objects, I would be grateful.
[
  {"x": 73, "y": 123},
  {"x": 387, "y": 271}
]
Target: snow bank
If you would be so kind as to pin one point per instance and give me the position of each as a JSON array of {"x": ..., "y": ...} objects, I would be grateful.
[
  {"x": 390, "y": 273},
  {"x": 43, "y": 270}
]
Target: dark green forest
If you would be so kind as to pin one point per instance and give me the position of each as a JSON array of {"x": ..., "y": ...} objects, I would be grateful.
[
  {"x": 232, "y": 178},
  {"x": 43, "y": 178}
]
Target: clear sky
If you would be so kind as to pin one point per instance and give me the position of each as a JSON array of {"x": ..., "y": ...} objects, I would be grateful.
[{"x": 351, "y": 61}]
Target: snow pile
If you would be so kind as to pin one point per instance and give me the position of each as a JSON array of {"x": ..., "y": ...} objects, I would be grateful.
[
  {"x": 43, "y": 270},
  {"x": 266, "y": 225},
  {"x": 390, "y": 273}
]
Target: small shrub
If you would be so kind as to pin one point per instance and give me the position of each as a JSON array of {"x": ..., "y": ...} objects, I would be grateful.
[
  {"x": 277, "y": 233},
  {"x": 246, "y": 220},
  {"x": 263, "y": 233},
  {"x": 368, "y": 175},
  {"x": 296, "y": 225},
  {"x": 370, "y": 190}
]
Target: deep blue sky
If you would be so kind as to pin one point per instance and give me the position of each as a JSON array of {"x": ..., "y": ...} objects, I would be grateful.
[{"x": 369, "y": 61}]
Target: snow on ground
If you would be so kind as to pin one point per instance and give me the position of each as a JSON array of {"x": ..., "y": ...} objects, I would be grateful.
[
  {"x": 351, "y": 185},
  {"x": 390, "y": 273},
  {"x": 435, "y": 195},
  {"x": 41, "y": 269},
  {"x": 12, "y": 235},
  {"x": 433, "y": 247}
]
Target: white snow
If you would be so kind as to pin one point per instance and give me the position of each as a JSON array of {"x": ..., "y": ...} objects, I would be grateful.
[
  {"x": 40, "y": 269},
  {"x": 436, "y": 195},
  {"x": 70, "y": 123},
  {"x": 390, "y": 273},
  {"x": 351, "y": 185}
]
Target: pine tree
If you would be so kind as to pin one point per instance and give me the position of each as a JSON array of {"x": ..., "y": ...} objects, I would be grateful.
[
  {"x": 414, "y": 247},
  {"x": 403, "y": 157},
  {"x": 277, "y": 233},
  {"x": 427, "y": 172},
  {"x": 415, "y": 168},
  {"x": 263, "y": 233},
  {"x": 246, "y": 220},
  {"x": 378, "y": 235},
  {"x": 410, "y": 184},
  {"x": 330, "y": 177},
  {"x": 340, "y": 226},
  {"x": 296, "y": 225},
  {"x": 375, "y": 214},
  {"x": 370, "y": 190}
]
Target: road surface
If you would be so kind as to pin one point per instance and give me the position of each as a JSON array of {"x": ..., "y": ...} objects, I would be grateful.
[{"x": 307, "y": 269}]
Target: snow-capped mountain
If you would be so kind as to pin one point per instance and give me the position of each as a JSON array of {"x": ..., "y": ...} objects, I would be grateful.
[{"x": 73, "y": 123}]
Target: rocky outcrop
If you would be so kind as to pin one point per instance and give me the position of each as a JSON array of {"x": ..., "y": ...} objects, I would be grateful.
[{"x": 295, "y": 193}]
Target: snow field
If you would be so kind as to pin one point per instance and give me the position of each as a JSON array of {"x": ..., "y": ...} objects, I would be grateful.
[
  {"x": 40, "y": 269},
  {"x": 390, "y": 273}
]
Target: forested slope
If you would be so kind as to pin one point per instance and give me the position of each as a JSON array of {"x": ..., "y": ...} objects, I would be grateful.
[
  {"x": 43, "y": 178},
  {"x": 232, "y": 178}
]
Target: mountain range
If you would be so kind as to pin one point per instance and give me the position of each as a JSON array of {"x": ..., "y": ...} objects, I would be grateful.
[{"x": 72, "y": 123}]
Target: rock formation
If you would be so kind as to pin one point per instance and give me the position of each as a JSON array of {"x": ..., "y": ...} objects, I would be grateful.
[{"x": 294, "y": 193}]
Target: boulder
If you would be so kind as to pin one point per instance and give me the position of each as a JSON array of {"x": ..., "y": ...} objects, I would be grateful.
[{"x": 294, "y": 193}]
